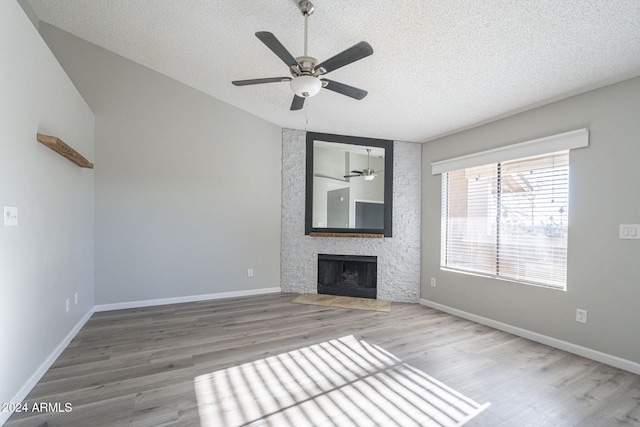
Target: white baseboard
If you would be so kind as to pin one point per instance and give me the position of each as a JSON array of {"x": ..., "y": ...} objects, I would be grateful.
[
  {"x": 44, "y": 366},
  {"x": 190, "y": 298},
  {"x": 596, "y": 355}
]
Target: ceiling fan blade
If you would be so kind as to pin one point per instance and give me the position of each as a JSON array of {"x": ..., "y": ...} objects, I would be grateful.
[
  {"x": 260, "y": 81},
  {"x": 358, "y": 172},
  {"x": 276, "y": 47},
  {"x": 297, "y": 103},
  {"x": 353, "y": 54},
  {"x": 319, "y": 175},
  {"x": 344, "y": 89},
  {"x": 352, "y": 176}
]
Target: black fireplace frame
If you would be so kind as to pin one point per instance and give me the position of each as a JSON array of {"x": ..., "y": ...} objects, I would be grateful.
[{"x": 367, "y": 288}]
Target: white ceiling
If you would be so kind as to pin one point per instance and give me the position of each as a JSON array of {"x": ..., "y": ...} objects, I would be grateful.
[{"x": 438, "y": 66}]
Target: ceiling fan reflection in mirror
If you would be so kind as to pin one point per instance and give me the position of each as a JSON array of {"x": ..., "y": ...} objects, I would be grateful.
[
  {"x": 306, "y": 71},
  {"x": 368, "y": 174}
]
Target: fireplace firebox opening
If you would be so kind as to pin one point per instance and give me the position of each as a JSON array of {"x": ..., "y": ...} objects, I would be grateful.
[{"x": 348, "y": 275}]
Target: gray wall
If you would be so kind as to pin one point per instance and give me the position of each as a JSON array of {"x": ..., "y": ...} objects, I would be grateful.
[
  {"x": 187, "y": 187},
  {"x": 603, "y": 271},
  {"x": 48, "y": 256}
]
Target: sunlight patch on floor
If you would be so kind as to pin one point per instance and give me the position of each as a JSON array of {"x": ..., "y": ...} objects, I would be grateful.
[{"x": 344, "y": 382}]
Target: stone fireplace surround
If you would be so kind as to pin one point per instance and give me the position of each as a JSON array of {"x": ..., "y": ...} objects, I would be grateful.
[{"x": 398, "y": 256}]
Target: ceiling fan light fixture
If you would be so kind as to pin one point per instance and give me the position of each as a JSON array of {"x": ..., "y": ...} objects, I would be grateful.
[
  {"x": 306, "y": 86},
  {"x": 305, "y": 69}
]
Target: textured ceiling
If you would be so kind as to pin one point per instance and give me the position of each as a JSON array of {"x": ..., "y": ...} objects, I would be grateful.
[{"x": 438, "y": 66}]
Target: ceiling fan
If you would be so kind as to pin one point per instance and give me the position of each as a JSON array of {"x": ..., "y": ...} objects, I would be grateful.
[
  {"x": 368, "y": 174},
  {"x": 306, "y": 71}
]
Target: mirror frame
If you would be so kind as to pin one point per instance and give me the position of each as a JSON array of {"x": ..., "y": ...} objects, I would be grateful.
[{"x": 387, "y": 145}]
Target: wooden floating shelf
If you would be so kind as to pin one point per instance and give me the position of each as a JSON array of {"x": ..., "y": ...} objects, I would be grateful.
[
  {"x": 360, "y": 235},
  {"x": 57, "y": 145}
]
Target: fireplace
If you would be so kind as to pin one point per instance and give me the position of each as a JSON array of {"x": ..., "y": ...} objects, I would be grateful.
[{"x": 347, "y": 275}]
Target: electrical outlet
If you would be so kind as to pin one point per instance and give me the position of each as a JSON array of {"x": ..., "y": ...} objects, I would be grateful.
[
  {"x": 250, "y": 272},
  {"x": 67, "y": 305},
  {"x": 581, "y": 315},
  {"x": 433, "y": 282}
]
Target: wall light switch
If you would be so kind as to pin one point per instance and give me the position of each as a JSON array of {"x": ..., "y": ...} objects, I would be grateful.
[
  {"x": 630, "y": 231},
  {"x": 10, "y": 215}
]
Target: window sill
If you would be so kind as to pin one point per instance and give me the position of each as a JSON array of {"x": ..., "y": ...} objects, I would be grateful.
[
  {"x": 356, "y": 235},
  {"x": 504, "y": 279}
]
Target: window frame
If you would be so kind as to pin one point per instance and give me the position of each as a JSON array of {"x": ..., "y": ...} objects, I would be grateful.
[
  {"x": 500, "y": 252},
  {"x": 538, "y": 147}
]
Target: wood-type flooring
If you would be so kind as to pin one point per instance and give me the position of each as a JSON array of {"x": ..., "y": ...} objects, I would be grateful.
[{"x": 137, "y": 367}]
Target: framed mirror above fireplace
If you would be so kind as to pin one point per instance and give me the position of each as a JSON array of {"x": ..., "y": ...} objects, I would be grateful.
[{"x": 349, "y": 185}]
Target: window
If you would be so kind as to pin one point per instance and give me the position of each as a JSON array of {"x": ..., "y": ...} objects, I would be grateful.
[
  {"x": 505, "y": 215},
  {"x": 509, "y": 219}
]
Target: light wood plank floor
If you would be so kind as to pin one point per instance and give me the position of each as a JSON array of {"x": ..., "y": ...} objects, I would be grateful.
[{"x": 137, "y": 367}]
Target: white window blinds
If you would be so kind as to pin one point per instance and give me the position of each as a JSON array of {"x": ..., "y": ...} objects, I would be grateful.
[
  {"x": 505, "y": 211},
  {"x": 508, "y": 219}
]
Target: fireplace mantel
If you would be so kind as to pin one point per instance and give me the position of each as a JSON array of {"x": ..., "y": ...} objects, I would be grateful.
[{"x": 358, "y": 235}]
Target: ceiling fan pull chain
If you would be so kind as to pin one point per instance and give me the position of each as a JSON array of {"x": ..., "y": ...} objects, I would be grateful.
[{"x": 306, "y": 119}]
